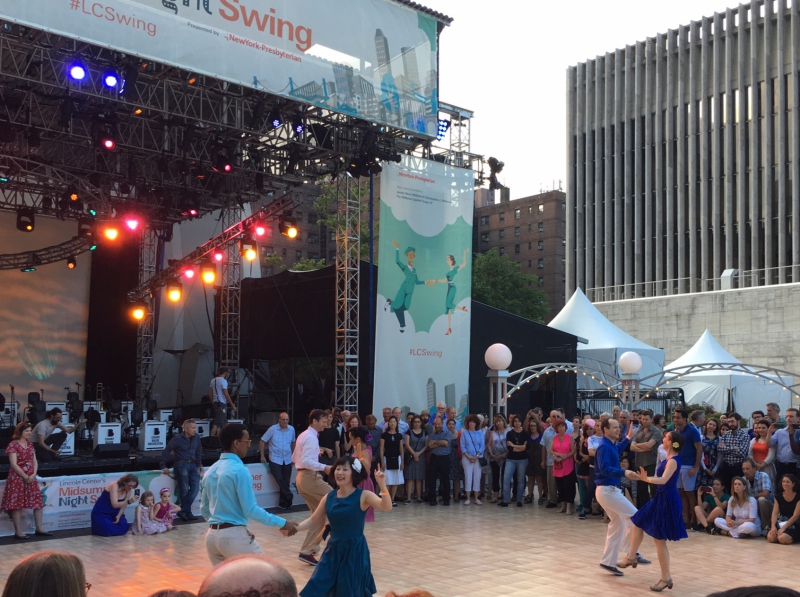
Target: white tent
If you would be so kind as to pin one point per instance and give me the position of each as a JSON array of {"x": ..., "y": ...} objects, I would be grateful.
[
  {"x": 748, "y": 392},
  {"x": 606, "y": 342}
]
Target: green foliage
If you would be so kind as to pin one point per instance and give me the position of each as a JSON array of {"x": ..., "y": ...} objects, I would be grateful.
[
  {"x": 499, "y": 282},
  {"x": 274, "y": 261},
  {"x": 325, "y": 208},
  {"x": 307, "y": 265}
]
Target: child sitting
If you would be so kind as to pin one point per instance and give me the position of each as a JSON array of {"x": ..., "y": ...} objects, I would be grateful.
[
  {"x": 165, "y": 510},
  {"x": 146, "y": 523}
]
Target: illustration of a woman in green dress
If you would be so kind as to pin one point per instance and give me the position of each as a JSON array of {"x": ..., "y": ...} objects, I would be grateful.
[{"x": 450, "y": 300}]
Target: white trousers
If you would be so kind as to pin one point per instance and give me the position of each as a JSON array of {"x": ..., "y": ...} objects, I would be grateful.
[
  {"x": 620, "y": 527},
  {"x": 222, "y": 544},
  {"x": 472, "y": 475},
  {"x": 747, "y": 528}
]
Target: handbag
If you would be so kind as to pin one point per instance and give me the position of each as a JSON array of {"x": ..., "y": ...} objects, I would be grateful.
[{"x": 481, "y": 459}]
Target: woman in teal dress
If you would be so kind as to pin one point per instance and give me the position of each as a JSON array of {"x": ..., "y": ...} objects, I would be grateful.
[
  {"x": 344, "y": 568},
  {"x": 450, "y": 300}
]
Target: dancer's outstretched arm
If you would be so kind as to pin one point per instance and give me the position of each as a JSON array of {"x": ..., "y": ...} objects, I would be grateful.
[
  {"x": 318, "y": 516},
  {"x": 669, "y": 470},
  {"x": 381, "y": 502}
]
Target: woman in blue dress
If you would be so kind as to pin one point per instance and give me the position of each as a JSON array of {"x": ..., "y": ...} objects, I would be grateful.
[
  {"x": 661, "y": 517},
  {"x": 450, "y": 299},
  {"x": 344, "y": 568},
  {"x": 108, "y": 514}
]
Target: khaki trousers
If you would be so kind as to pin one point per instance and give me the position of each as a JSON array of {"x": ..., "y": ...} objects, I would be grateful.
[
  {"x": 312, "y": 489},
  {"x": 222, "y": 544}
]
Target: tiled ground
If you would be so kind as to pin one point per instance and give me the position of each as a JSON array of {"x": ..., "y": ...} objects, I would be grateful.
[{"x": 479, "y": 551}]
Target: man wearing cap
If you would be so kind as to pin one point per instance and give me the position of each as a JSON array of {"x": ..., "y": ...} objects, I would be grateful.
[{"x": 402, "y": 302}]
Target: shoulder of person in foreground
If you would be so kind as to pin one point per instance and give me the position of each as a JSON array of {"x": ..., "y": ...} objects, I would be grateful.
[
  {"x": 411, "y": 593},
  {"x": 249, "y": 575}
]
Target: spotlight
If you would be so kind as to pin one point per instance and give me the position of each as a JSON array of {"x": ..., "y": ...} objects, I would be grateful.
[
  {"x": 129, "y": 78},
  {"x": 72, "y": 262},
  {"x": 26, "y": 219},
  {"x": 28, "y": 269},
  {"x": 288, "y": 226},
  {"x": 219, "y": 256},
  {"x": 111, "y": 232},
  {"x": 260, "y": 230},
  {"x": 208, "y": 271},
  {"x": 85, "y": 227},
  {"x": 274, "y": 119},
  {"x": 138, "y": 311},
  {"x": 77, "y": 71},
  {"x": 188, "y": 273},
  {"x": 72, "y": 194},
  {"x": 222, "y": 164},
  {"x": 174, "y": 291},
  {"x": 132, "y": 222},
  {"x": 297, "y": 126},
  {"x": 247, "y": 248},
  {"x": 444, "y": 126},
  {"x": 110, "y": 79},
  {"x": 105, "y": 140}
]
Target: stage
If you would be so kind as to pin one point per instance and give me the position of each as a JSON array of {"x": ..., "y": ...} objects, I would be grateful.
[{"x": 480, "y": 551}]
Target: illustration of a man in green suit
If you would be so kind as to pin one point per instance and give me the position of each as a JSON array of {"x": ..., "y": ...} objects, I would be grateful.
[{"x": 402, "y": 302}]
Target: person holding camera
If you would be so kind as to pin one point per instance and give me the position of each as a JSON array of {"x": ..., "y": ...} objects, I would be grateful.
[{"x": 108, "y": 514}]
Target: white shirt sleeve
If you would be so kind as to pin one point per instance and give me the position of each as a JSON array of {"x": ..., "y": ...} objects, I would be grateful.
[{"x": 308, "y": 449}]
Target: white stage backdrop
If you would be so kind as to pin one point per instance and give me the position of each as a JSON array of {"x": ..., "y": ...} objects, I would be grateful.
[
  {"x": 374, "y": 59},
  {"x": 424, "y": 286},
  {"x": 68, "y": 501}
]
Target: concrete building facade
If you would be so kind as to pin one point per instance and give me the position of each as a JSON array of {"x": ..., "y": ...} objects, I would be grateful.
[
  {"x": 532, "y": 232},
  {"x": 684, "y": 158}
]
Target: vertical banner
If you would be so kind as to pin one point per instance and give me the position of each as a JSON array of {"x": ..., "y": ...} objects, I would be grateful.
[{"x": 424, "y": 286}]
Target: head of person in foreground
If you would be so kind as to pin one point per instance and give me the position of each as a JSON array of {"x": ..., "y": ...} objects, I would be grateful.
[{"x": 249, "y": 575}]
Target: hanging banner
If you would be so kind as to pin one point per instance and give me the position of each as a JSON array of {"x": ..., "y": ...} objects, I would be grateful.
[
  {"x": 424, "y": 286},
  {"x": 68, "y": 501},
  {"x": 372, "y": 59}
]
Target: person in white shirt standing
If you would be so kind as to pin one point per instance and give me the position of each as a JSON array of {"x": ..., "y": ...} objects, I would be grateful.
[
  {"x": 310, "y": 484},
  {"x": 220, "y": 400},
  {"x": 279, "y": 441}
]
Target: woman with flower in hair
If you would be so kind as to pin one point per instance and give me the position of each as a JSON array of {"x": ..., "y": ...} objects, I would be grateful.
[{"x": 344, "y": 569}]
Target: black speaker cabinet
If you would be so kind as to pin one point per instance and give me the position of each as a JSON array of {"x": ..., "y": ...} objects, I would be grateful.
[{"x": 111, "y": 451}]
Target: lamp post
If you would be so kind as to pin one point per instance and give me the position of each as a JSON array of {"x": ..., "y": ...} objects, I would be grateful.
[
  {"x": 498, "y": 358},
  {"x": 630, "y": 363}
]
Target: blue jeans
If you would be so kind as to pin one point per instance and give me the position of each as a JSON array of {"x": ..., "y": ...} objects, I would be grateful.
[
  {"x": 513, "y": 467},
  {"x": 188, "y": 478}
]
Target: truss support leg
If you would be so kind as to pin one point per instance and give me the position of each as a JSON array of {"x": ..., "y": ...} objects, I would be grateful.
[
  {"x": 145, "y": 334},
  {"x": 229, "y": 304},
  {"x": 348, "y": 233}
]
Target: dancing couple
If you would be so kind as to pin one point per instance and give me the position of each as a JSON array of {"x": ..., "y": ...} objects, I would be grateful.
[{"x": 661, "y": 517}]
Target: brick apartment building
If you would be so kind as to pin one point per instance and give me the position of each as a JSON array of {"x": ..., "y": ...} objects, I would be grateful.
[{"x": 531, "y": 231}]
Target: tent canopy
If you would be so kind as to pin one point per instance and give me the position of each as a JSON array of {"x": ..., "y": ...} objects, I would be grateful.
[{"x": 606, "y": 342}]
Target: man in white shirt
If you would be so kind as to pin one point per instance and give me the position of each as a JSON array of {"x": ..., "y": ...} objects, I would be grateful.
[
  {"x": 310, "y": 485},
  {"x": 220, "y": 400},
  {"x": 279, "y": 441}
]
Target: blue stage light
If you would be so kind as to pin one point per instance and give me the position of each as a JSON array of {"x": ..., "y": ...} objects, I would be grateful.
[
  {"x": 77, "y": 71},
  {"x": 444, "y": 126},
  {"x": 110, "y": 79}
]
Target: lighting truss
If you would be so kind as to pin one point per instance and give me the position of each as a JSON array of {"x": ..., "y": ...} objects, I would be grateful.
[{"x": 61, "y": 252}]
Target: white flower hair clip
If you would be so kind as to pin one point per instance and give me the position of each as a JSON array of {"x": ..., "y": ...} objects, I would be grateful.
[{"x": 357, "y": 465}]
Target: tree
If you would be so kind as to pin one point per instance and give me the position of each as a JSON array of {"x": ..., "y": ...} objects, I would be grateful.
[
  {"x": 499, "y": 282},
  {"x": 306, "y": 264},
  {"x": 325, "y": 207}
]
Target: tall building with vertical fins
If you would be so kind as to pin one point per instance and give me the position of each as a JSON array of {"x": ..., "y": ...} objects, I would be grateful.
[
  {"x": 684, "y": 159},
  {"x": 383, "y": 54}
]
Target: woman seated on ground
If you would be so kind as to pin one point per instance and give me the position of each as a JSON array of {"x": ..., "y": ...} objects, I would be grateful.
[
  {"x": 47, "y": 573},
  {"x": 785, "y": 527},
  {"x": 742, "y": 517},
  {"x": 710, "y": 505},
  {"x": 108, "y": 514}
]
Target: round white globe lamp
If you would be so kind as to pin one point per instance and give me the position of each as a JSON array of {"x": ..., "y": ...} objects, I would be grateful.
[
  {"x": 630, "y": 363},
  {"x": 498, "y": 357}
]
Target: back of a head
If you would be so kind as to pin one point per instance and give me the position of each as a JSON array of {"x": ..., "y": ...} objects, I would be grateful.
[
  {"x": 758, "y": 591},
  {"x": 172, "y": 593},
  {"x": 411, "y": 593},
  {"x": 50, "y": 573},
  {"x": 249, "y": 575}
]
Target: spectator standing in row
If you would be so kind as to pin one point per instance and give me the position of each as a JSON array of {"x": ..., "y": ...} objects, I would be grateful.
[
  {"x": 416, "y": 444},
  {"x": 496, "y": 451},
  {"x": 562, "y": 448},
  {"x": 439, "y": 466},
  {"x": 786, "y": 460},
  {"x": 451, "y": 414},
  {"x": 456, "y": 470},
  {"x": 732, "y": 448},
  {"x": 186, "y": 453},
  {"x": 760, "y": 451},
  {"x": 279, "y": 442},
  {"x": 516, "y": 461},
  {"x": 473, "y": 447},
  {"x": 392, "y": 448},
  {"x": 536, "y": 472},
  {"x": 645, "y": 449},
  {"x": 690, "y": 457},
  {"x": 329, "y": 443},
  {"x": 755, "y": 417},
  {"x": 374, "y": 441},
  {"x": 774, "y": 414},
  {"x": 710, "y": 439},
  {"x": 547, "y": 442}
]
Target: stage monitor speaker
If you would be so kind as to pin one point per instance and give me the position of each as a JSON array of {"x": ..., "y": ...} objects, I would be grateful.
[
  {"x": 210, "y": 443},
  {"x": 111, "y": 451}
]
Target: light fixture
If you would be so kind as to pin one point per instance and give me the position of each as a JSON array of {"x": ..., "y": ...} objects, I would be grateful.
[
  {"x": 188, "y": 273},
  {"x": 222, "y": 164},
  {"x": 260, "y": 230},
  {"x": 111, "y": 232},
  {"x": 274, "y": 119},
  {"x": 138, "y": 311},
  {"x": 219, "y": 256},
  {"x": 129, "y": 78},
  {"x": 444, "y": 126},
  {"x": 132, "y": 223},
  {"x": 77, "y": 71},
  {"x": 26, "y": 219},
  {"x": 297, "y": 125},
  {"x": 85, "y": 227},
  {"x": 247, "y": 248},
  {"x": 174, "y": 291},
  {"x": 208, "y": 272},
  {"x": 288, "y": 226},
  {"x": 106, "y": 141},
  {"x": 110, "y": 79},
  {"x": 72, "y": 262}
]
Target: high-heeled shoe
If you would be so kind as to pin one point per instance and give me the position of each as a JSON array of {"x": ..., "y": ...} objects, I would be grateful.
[
  {"x": 628, "y": 563},
  {"x": 449, "y": 331},
  {"x": 662, "y": 584}
]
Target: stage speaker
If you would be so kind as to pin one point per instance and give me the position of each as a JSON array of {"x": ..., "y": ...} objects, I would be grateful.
[
  {"x": 210, "y": 443},
  {"x": 111, "y": 451}
]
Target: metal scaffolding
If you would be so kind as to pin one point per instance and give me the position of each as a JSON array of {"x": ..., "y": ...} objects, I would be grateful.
[
  {"x": 230, "y": 298},
  {"x": 348, "y": 231},
  {"x": 145, "y": 334}
]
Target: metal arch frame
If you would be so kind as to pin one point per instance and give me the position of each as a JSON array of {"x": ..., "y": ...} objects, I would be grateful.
[
  {"x": 74, "y": 246},
  {"x": 760, "y": 371},
  {"x": 527, "y": 374}
]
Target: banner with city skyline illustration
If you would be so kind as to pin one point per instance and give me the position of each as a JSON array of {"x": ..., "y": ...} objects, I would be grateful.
[{"x": 424, "y": 286}]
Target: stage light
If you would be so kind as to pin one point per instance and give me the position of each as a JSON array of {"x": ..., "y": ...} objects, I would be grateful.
[
  {"x": 274, "y": 119},
  {"x": 26, "y": 219},
  {"x": 111, "y": 232},
  {"x": 72, "y": 262},
  {"x": 77, "y": 71},
  {"x": 106, "y": 141},
  {"x": 85, "y": 227},
  {"x": 260, "y": 230},
  {"x": 188, "y": 273},
  {"x": 219, "y": 256},
  {"x": 138, "y": 311},
  {"x": 222, "y": 164},
  {"x": 132, "y": 222},
  {"x": 110, "y": 79},
  {"x": 28, "y": 269},
  {"x": 297, "y": 126},
  {"x": 288, "y": 226},
  {"x": 4, "y": 178},
  {"x": 208, "y": 271},
  {"x": 444, "y": 126},
  {"x": 247, "y": 248},
  {"x": 174, "y": 291}
]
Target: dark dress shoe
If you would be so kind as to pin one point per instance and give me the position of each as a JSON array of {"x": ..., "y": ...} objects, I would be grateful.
[
  {"x": 183, "y": 516},
  {"x": 191, "y": 517},
  {"x": 613, "y": 570},
  {"x": 43, "y": 534},
  {"x": 20, "y": 537}
]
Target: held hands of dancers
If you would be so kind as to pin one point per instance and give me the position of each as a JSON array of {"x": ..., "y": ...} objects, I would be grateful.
[{"x": 289, "y": 529}]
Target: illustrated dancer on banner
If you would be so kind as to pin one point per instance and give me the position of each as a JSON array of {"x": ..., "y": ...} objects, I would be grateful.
[
  {"x": 662, "y": 516},
  {"x": 402, "y": 302},
  {"x": 607, "y": 475},
  {"x": 450, "y": 300}
]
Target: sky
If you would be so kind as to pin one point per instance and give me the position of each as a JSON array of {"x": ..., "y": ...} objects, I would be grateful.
[{"x": 506, "y": 61}]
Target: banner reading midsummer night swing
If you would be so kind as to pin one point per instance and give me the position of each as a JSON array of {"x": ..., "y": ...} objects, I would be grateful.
[{"x": 424, "y": 286}]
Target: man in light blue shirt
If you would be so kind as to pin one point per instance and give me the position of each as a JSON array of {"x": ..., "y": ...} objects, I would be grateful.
[
  {"x": 279, "y": 441},
  {"x": 229, "y": 500},
  {"x": 402, "y": 426}
]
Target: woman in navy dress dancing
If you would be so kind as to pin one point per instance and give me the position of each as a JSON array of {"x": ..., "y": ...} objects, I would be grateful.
[
  {"x": 344, "y": 568},
  {"x": 661, "y": 517}
]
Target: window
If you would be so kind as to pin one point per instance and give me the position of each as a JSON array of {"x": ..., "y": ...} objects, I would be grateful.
[
  {"x": 541, "y": 264},
  {"x": 313, "y": 255},
  {"x": 541, "y": 208},
  {"x": 563, "y": 278},
  {"x": 312, "y": 218},
  {"x": 502, "y": 216},
  {"x": 563, "y": 242},
  {"x": 563, "y": 206},
  {"x": 541, "y": 226},
  {"x": 502, "y": 250},
  {"x": 517, "y": 214},
  {"x": 298, "y": 254},
  {"x": 268, "y": 251},
  {"x": 563, "y": 223},
  {"x": 501, "y": 234},
  {"x": 484, "y": 237},
  {"x": 530, "y": 209},
  {"x": 283, "y": 252},
  {"x": 540, "y": 245},
  {"x": 516, "y": 231},
  {"x": 313, "y": 238},
  {"x": 484, "y": 220},
  {"x": 516, "y": 249},
  {"x": 530, "y": 246},
  {"x": 530, "y": 263},
  {"x": 541, "y": 281}
]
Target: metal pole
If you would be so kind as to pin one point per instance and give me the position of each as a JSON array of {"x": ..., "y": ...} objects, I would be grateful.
[{"x": 371, "y": 354}]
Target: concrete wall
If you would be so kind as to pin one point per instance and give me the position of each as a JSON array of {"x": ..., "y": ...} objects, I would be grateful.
[{"x": 756, "y": 325}]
